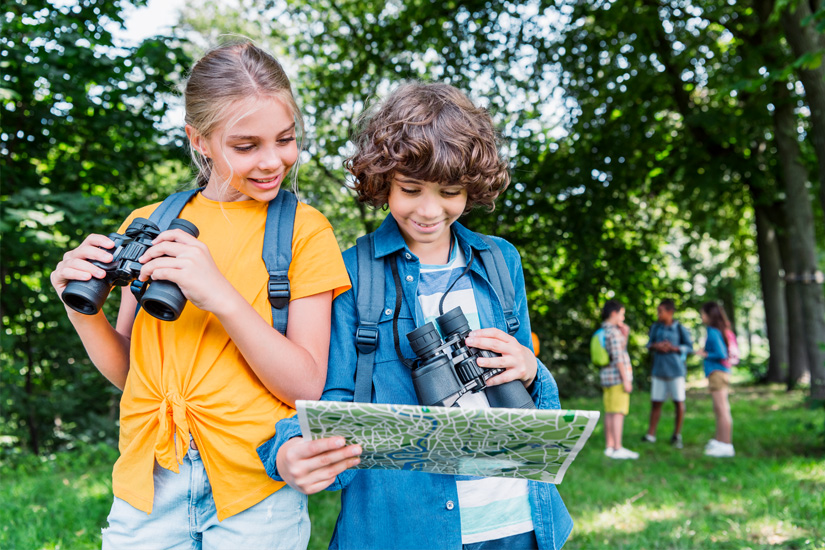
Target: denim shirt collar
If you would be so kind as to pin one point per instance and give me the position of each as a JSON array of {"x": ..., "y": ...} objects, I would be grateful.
[{"x": 388, "y": 238}]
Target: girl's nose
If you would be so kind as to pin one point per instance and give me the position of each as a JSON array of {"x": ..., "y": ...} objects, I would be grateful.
[{"x": 270, "y": 160}]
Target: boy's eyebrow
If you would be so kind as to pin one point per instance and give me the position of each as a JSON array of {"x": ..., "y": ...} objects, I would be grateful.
[{"x": 282, "y": 132}]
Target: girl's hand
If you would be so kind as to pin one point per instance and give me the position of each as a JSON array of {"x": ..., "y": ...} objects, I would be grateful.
[
  {"x": 519, "y": 361},
  {"x": 701, "y": 353},
  {"x": 311, "y": 466},
  {"x": 181, "y": 258},
  {"x": 77, "y": 263}
]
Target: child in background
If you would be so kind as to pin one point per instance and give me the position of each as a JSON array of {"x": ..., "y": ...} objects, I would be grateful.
[
  {"x": 616, "y": 379},
  {"x": 718, "y": 373},
  {"x": 202, "y": 392},
  {"x": 430, "y": 155}
]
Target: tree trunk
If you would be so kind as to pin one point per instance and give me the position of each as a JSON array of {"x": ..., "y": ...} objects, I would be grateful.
[
  {"x": 803, "y": 258},
  {"x": 773, "y": 297},
  {"x": 797, "y": 354},
  {"x": 800, "y": 32}
]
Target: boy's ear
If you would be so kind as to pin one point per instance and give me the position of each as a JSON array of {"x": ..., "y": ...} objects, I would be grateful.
[{"x": 197, "y": 140}]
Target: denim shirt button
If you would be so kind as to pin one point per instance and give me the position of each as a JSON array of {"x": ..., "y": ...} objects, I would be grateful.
[
  {"x": 450, "y": 505},
  {"x": 409, "y": 278},
  {"x": 388, "y": 311},
  {"x": 408, "y": 256}
]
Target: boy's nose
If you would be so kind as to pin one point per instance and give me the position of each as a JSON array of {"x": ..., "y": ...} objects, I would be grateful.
[{"x": 429, "y": 207}]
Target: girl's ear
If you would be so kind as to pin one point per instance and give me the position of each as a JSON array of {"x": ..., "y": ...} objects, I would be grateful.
[{"x": 197, "y": 140}]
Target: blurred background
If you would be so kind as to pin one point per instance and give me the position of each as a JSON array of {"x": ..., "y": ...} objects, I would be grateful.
[{"x": 659, "y": 149}]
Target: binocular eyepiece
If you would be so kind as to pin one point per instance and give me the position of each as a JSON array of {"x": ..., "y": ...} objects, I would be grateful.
[
  {"x": 446, "y": 368},
  {"x": 161, "y": 299}
]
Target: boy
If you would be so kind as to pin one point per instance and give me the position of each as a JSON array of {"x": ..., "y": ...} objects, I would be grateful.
[
  {"x": 670, "y": 343},
  {"x": 429, "y": 155},
  {"x": 616, "y": 379}
]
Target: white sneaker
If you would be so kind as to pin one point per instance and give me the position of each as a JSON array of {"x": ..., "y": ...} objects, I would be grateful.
[
  {"x": 624, "y": 454},
  {"x": 647, "y": 438},
  {"x": 609, "y": 452},
  {"x": 720, "y": 450},
  {"x": 712, "y": 443}
]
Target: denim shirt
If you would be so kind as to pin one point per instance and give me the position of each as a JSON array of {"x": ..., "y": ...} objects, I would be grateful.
[
  {"x": 386, "y": 509},
  {"x": 670, "y": 365}
]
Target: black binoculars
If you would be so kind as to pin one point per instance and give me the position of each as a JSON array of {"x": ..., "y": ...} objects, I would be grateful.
[
  {"x": 445, "y": 370},
  {"x": 161, "y": 299}
]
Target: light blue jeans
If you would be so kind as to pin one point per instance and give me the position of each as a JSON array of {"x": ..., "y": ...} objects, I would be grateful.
[{"x": 184, "y": 517}]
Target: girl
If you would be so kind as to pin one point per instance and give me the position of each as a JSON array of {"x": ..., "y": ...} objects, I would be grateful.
[
  {"x": 717, "y": 371},
  {"x": 429, "y": 155},
  {"x": 202, "y": 392}
]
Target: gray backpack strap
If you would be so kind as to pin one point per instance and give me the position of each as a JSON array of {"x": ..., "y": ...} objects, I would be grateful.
[
  {"x": 171, "y": 208},
  {"x": 277, "y": 254},
  {"x": 499, "y": 275},
  {"x": 162, "y": 216},
  {"x": 369, "y": 304}
]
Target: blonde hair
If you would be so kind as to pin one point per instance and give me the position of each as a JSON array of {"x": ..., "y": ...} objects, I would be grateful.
[{"x": 226, "y": 75}]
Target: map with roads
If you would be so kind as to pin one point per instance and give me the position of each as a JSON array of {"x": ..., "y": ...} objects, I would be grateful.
[{"x": 526, "y": 443}]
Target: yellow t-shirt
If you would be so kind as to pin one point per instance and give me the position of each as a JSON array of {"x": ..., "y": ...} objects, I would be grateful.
[{"x": 187, "y": 377}]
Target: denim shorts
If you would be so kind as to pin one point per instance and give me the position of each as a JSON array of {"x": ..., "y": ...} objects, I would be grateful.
[{"x": 184, "y": 517}]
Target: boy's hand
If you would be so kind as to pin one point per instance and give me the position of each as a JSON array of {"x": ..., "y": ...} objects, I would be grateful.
[
  {"x": 181, "y": 258},
  {"x": 624, "y": 329},
  {"x": 701, "y": 353},
  {"x": 311, "y": 466},
  {"x": 519, "y": 361},
  {"x": 628, "y": 386},
  {"x": 76, "y": 264}
]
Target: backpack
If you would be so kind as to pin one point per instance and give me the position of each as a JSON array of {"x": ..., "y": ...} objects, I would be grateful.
[
  {"x": 370, "y": 303},
  {"x": 733, "y": 349},
  {"x": 598, "y": 351},
  {"x": 277, "y": 247}
]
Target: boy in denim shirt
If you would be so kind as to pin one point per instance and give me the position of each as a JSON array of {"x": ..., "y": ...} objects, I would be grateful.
[{"x": 429, "y": 155}]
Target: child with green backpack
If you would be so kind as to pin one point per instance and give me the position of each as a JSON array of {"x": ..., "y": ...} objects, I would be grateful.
[{"x": 608, "y": 349}]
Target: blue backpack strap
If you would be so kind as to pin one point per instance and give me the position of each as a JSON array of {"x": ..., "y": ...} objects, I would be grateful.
[
  {"x": 162, "y": 216},
  {"x": 171, "y": 208},
  {"x": 499, "y": 276},
  {"x": 369, "y": 303},
  {"x": 277, "y": 254}
]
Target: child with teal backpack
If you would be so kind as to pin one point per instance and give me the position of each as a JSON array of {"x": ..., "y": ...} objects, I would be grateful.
[
  {"x": 202, "y": 387},
  {"x": 431, "y": 156}
]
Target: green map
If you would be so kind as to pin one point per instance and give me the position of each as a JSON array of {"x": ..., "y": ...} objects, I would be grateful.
[{"x": 526, "y": 443}]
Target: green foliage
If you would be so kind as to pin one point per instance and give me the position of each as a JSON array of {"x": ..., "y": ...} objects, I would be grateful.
[{"x": 80, "y": 134}]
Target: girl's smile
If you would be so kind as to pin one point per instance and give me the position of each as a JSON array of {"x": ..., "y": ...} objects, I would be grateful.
[{"x": 251, "y": 156}]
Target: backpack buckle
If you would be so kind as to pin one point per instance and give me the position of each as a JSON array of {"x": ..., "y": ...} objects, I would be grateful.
[
  {"x": 512, "y": 324},
  {"x": 278, "y": 290},
  {"x": 366, "y": 338}
]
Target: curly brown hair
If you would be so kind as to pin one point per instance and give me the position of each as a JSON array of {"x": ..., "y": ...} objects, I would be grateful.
[{"x": 432, "y": 133}]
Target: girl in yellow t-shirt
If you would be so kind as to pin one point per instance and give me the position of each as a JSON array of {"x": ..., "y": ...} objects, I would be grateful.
[{"x": 202, "y": 392}]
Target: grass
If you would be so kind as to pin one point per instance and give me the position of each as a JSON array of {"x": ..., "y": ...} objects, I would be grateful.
[{"x": 770, "y": 496}]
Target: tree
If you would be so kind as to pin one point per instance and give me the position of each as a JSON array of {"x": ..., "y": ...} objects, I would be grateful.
[{"x": 80, "y": 140}]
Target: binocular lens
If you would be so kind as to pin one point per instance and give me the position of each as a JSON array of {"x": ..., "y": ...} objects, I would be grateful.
[
  {"x": 424, "y": 339},
  {"x": 86, "y": 297},
  {"x": 453, "y": 322}
]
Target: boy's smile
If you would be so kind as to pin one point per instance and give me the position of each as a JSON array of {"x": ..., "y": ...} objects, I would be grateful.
[{"x": 424, "y": 211}]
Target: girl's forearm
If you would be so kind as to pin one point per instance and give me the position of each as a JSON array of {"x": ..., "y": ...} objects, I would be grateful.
[
  {"x": 289, "y": 370},
  {"x": 107, "y": 348}
]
